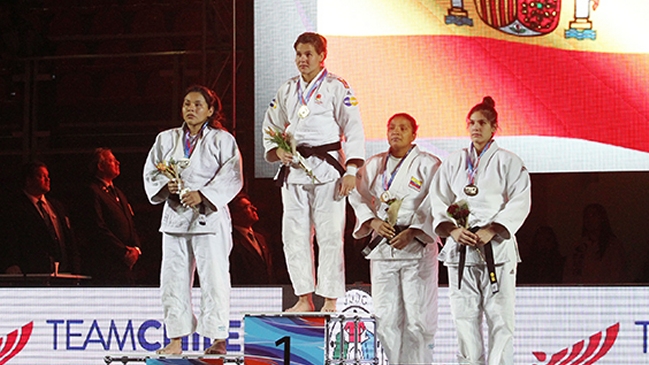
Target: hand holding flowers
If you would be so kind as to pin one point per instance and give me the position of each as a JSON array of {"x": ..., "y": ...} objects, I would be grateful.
[
  {"x": 172, "y": 169},
  {"x": 460, "y": 212},
  {"x": 286, "y": 143}
]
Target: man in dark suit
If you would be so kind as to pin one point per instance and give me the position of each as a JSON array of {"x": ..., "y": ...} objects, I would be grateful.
[
  {"x": 40, "y": 237},
  {"x": 112, "y": 245},
  {"x": 250, "y": 258}
]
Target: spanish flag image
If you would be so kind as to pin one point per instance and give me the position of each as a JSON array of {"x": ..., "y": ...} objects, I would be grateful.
[{"x": 570, "y": 77}]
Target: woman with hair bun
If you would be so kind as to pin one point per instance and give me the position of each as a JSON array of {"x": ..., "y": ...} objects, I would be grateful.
[
  {"x": 481, "y": 252},
  {"x": 196, "y": 229}
]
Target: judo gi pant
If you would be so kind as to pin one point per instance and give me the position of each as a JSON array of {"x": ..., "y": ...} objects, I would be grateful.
[
  {"x": 475, "y": 299},
  {"x": 404, "y": 294},
  {"x": 182, "y": 254},
  {"x": 309, "y": 207}
]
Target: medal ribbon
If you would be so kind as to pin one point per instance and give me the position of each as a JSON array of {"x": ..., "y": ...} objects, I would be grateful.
[
  {"x": 189, "y": 142},
  {"x": 473, "y": 169},
  {"x": 387, "y": 183},
  {"x": 311, "y": 91}
]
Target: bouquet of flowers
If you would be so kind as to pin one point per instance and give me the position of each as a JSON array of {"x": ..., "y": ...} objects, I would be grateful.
[
  {"x": 393, "y": 208},
  {"x": 459, "y": 211},
  {"x": 286, "y": 142},
  {"x": 171, "y": 169}
]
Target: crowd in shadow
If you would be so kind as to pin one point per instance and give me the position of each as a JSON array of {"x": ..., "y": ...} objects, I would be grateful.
[{"x": 98, "y": 236}]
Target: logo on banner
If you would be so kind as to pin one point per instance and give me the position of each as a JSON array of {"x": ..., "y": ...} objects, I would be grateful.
[
  {"x": 583, "y": 352},
  {"x": 14, "y": 342},
  {"x": 352, "y": 335}
]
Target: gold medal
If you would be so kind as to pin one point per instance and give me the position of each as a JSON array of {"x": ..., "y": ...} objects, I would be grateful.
[
  {"x": 303, "y": 112},
  {"x": 386, "y": 196}
]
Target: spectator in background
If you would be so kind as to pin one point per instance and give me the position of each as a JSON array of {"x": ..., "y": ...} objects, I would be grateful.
[
  {"x": 40, "y": 238},
  {"x": 597, "y": 257},
  {"x": 542, "y": 262},
  {"x": 250, "y": 259},
  {"x": 112, "y": 244}
]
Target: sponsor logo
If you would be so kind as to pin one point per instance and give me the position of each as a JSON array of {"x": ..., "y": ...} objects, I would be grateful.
[
  {"x": 14, "y": 342},
  {"x": 350, "y": 101},
  {"x": 585, "y": 351}
]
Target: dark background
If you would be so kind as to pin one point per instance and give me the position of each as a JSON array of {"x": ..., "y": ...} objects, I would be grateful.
[{"x": 76, "y": 75}]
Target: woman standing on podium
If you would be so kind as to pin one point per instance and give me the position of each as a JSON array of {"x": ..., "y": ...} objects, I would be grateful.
[
  {"x": 391, "y": 201},
  {"x": 195, "y": 170},
  {"x": 495, "y": 185}
]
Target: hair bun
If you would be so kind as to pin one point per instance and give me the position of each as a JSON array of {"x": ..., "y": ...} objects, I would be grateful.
[{"x": 488, "y": 101}]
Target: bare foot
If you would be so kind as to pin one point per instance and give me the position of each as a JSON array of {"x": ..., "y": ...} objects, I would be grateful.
[
  {"x": 175, "y": 347},
  {"x": 303, "y": 304},
  {"x": 329, "y": 305},
  {"x": 217, "y": 348}
]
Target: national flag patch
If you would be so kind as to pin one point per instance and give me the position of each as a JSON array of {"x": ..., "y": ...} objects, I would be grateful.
[{"x": 415, "y": 183}]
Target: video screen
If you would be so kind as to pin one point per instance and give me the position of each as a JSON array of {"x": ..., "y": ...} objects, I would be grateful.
[{"x": 569, "y": 77}]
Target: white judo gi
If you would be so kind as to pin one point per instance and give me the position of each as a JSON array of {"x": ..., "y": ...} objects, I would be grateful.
[
  {"x": 215, "y": 170},
  {"x": 504, "y": 197},
  {"x": 311, "y": 205},
  {"x": 404, "y": 282}
]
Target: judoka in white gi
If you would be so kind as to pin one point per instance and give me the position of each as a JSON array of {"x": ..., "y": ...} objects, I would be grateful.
[
  {"x": 196, "y": 227},
  {"x": 321, "y": 112},
  {"x": 395, "y": 184},
  {"x": 496, "y": 185}
]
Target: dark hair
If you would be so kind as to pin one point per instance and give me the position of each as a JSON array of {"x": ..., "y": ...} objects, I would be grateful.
[
  {"x": 217, "y": 118},
  {"x": 97, "y": 155},
  {"x": 410, "y": 118},
  {"x": 606, "y": 232},
  {"x": 29, "y": 169},
  {"x": 319, "y": 42},
  {"x": 488, "y": 108},
  {"x": 233, "y": 205}
]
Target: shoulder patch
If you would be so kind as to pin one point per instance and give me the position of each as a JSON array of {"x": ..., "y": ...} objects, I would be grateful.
[
  {"x": 350, "y": 100},
  {"x": 345, "y": 84}
]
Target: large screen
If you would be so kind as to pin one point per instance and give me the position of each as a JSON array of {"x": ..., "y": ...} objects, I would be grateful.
[{"x": 569, "y": 77}]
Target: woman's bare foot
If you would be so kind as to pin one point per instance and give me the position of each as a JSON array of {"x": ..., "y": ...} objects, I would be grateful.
[
  {"x": 329, "y": 305},
  {"x": 175, "y": 347},
  {"x": 304, "y": 304},
  {"x": 217, "y": 348}
]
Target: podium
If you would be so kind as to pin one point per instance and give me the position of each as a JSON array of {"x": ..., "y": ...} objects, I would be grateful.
[
  {"x": 175, "y": 360},
  {"x": 309, "y": 339}
]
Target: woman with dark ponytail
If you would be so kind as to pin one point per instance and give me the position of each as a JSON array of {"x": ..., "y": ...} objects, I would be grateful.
[
  {"x": 481, "y": 252},
  {"x": 195, "y": 171}
]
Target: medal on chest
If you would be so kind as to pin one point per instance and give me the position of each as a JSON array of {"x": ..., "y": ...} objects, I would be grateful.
[
  {"x": 386, "y": 196},
  {"x": 304, "y": 96},
  {"x": 303, "y": 111},
  {"x": 471, "y": 190}
]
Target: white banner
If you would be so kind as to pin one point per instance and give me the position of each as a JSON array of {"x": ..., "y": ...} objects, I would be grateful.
[{"x": 554, "y": 325}]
